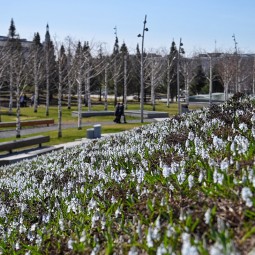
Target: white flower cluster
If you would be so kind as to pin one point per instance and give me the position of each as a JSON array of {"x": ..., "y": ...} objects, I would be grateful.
[{"x": 98, "y": 184}]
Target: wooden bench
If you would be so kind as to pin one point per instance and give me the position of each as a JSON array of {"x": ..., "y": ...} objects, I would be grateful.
[
  {"x": 24, "y": 142},
  {"x": 27, "y": 123}
]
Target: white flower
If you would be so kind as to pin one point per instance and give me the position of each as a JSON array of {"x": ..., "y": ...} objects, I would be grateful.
[
  {"x": 191, "y": 136},
  {"x": 166, "y": 171},
  {"x": 117, "y": 212},
  {"x": 187, "y": 248},
  {"x": 218, "y": 177},
  {"x": 149, "y": 238},
  {"x": 243, "y": 127},
  {"x": 207, "y": 216},
  {"x": 224, "y": 164},
  {"x": 170, "y": 230},
  {"x": 161, "y": 249},
  {"x": 70, "y": 244},
  {"x": 17, "y": 246},
  {"x": 83, "y": 236},
  {"x": 247, "y": 196},
  {"x": 216, "y": 249},
  {"x": 46, "y": 218},
  {"x": 201, "y": 176},
  {"x": 61, "y": 224},
  {"x": 133, "y": 251},
  {"x": 181, "y": 177},
  {"x": 191, "y": 181},
  {"x": 113, "y": 200},
  {"x": 218, "y": 143}
]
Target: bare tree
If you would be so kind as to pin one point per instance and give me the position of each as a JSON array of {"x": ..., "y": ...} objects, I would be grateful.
[
  {"x": 79, "y": 63},
  {"x": 157, "y": 67},
  {"x": 3, "y": 71},
  {"x": 37, "y": 60},
  {"x": 226, "y": 68},
  {"x": 189, "y": 65}
]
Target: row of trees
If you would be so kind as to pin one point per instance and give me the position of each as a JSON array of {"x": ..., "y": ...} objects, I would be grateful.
[{"x": 60, "y": 70}]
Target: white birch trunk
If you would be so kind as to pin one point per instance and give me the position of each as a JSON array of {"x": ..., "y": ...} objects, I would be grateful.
[
  {"x": 11, "y": 86},
  {"x": 60, "y": 101},
  {"x": 153, "y": 88},
  {"x": 88, "y": 89},
  {"x": 168, "y": 84},
  {"x": 79, "y": 94},
  {"x": 106, "y": 88},
  {"x": 125, "y": 83},
  {"x": 69, "y": 98},
  {"x": 115, "y": 83},
  {"x": 47, "y": 83},
  {"x": 36, "y": 81},
  {"x": 18, "y": 111}
]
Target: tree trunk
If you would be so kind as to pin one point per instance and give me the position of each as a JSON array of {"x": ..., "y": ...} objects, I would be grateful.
[
  {"x": 18, "y": 112},
  {"x": 115, "y": 83},
  {"x": 88, "y": 89},
  {"x": 153, "y": 89},
  {"x": 79, "y": 93},
  {"x": 11, "y": 86},
  {"x": 60, "y": 101},
  {"x": 69, "y": 94},
  {"x": 47, "y": 83},
  {"x": 36, "y": 94},
  {"x": 168, "y": 84},
  {"x": 125, "y": 83},
  {"x": 106, "y": 88}
]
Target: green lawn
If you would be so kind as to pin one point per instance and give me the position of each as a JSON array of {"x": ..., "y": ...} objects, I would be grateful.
[{"x": 72, "y": 134}]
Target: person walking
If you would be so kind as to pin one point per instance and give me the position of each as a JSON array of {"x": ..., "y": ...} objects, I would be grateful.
[
  {"x": 122, "y": 113},
  {"x": 117, "y": 113}
]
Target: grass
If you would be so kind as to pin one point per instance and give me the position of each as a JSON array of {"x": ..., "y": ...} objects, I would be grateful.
[{"x": 72, "y": 134}]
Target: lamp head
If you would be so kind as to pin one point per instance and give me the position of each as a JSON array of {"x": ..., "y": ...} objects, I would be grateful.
[
  {"x": 139, "y": 35},
  {"x": 146, "y": 29}
]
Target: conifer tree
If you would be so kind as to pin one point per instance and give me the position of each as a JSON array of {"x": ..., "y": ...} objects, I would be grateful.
[
  {"x": 50, "y": 67},
  {"x": 37, "y": 60},
  {"x": 13, "y": 46}
]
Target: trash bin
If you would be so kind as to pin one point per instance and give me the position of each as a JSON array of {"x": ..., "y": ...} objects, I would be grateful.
[
  {"x": 97, "y": 131},
  {"x": 184, "y": 108},
  {"x": 90, "y": 133}
]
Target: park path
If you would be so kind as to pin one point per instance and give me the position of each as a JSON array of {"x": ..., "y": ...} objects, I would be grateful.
[{"x": 41, "y": 129}]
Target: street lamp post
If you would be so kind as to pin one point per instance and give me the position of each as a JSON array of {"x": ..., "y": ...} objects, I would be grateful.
[
  {"x": 142, "y": 85},
  {"x": 180, "y": 51},
  {"x": 210, "y": 80}
]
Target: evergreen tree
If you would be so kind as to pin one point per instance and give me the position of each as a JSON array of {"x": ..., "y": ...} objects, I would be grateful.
[
  {"x": 50, "y": 68},
  {"x": 12, "y": 30},
  {"x": 134, "y": 79},
  {"x": 124, "y": 68},
  {"x": 13, "y": 49},
  {"x": 199, "y": 82},
  {"x": 172, "y": 75},
  {"x": 217, "y": 84},
  {"x": 116, "y": 46},
  {"x": 36, "y": 55},
  {"x": 62, "y": 75},
  {"x": 116, "y": 68}
]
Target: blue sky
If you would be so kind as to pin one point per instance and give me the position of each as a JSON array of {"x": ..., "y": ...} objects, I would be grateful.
[{"x": 202, "y": 24}]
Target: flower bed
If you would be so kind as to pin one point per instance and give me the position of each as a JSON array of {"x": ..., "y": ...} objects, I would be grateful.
[{"x": 180, "y": 186}]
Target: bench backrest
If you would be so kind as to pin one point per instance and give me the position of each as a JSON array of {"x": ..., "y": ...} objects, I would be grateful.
[
  {"x": 28, "y": 123},
  {"x": 8, "y": 146}
]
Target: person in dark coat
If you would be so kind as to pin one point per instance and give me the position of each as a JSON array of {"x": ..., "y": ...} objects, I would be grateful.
[
  {"x": 122, "y": 113},
  {"x": 117, "y": 113}
]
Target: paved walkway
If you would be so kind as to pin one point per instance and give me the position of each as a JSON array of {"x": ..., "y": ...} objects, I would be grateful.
[
  {"x": 41, "y": 129},
  {"x": 6, "y": 159}
]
